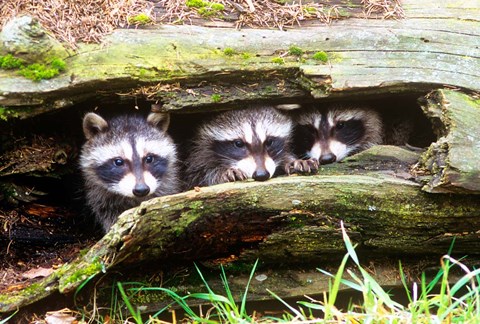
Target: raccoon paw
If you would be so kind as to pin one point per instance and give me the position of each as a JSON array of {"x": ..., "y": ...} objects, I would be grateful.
[
  {"x": 232, "y": 175},
  {"x": 302, "y": 166}
]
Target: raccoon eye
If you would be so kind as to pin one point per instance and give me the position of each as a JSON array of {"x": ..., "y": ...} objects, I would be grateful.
[
  {"x": 118, "y": 162},
  {"x": 149, "y": 159},
  {"x": 269, "y": 142},
  {"x": 340, "y": 125},
  {"x": 238, "y": 143}
]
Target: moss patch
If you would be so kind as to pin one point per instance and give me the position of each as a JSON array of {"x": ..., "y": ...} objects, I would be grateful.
[
  {"x": 140, "y": 19},
  {"x": 206, "y": 8},
  {"x": 9, "y": 62},
  {"x": 35, "y": 71},
  {"x": 295, "y": 50},
  {"x": 320, "y": 56}
]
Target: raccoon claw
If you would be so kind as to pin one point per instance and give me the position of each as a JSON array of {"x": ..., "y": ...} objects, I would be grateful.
[
  {"x": 302, "y": 166},
  {"x": 232, "y": 175}
]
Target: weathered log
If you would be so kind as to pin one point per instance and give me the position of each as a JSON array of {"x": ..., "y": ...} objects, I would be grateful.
[
  {"x": 365, "y": 57},
  {"x": 453, "y": 161},
  {"x": 289, "y": 219},
  {"x": 293, "y": 219}
]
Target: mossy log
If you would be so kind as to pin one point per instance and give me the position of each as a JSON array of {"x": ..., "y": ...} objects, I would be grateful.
[
  {"x": 453, "y": 161},
  {"x": 293, "y": 219},
  {"x": 185, "y": 65}
]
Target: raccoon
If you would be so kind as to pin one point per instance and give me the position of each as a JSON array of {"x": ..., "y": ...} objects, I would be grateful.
[
  {"x": 331, "y": 134},
  {"x": 125, "y": 161},
  {"x": 241, "y": 144}
]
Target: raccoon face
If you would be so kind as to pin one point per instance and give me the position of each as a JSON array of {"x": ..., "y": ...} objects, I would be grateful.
[
  {"x": 132, "y": 167},
  {"x": 330, "y": 135},
  {"x": 126, "y": 156},
  {"x": 252, "y": 141}
]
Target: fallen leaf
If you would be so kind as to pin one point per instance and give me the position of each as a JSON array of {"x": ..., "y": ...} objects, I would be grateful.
[{"x": 37, "y": 273}]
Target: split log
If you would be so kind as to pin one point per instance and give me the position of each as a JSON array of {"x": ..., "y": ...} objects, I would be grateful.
[
  {"x": 453, "y": 161},
  {"x": 288, "y": 219},
  {"x": 292, "y": 219},
  {"x": 184, "y": 65}
]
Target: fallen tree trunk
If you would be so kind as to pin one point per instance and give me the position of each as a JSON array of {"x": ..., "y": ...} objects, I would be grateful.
[
  {"x": 453, "y": 161},
  {"x": 290, "y": 219},
  {"x": 294, "y": 219},
  {"x": 182, "y": 66}
]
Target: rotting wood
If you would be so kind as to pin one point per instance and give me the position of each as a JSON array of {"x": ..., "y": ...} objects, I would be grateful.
[
  {"x": 453, "y": 162},
  {"x": 366, "y": 57},
  {"x": 292, "y": 220}
]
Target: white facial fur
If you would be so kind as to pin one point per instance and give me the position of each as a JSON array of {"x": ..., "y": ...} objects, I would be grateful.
[{"x": 247, "y": 166}]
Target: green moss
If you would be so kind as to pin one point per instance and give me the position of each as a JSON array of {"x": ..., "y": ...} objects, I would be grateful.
[
  {"x": 38, "y": 71},
  {"x": 320, "y": 56},
  {"x": 229, "y": 51},
  {"x": 9, "y": 62},
  {"x": 58, "y": 64},
  {"x": 246, "y": 55},
  {"x": 278, "y": 60},
  {"x": 196, "y": 3},
  {"x": 216, "y": 97},
  {"x": 82, "y": 273},
  {"x": 205, "y": 8},
  {"x": 140, "y": 19},
  {"x": 309, "y": 10},
  {"x": 211, "y": 10},
  {"x": 295, "y": 50},
  {"x": 6, "y": 114},
  {"x": 217, "y": 6}
]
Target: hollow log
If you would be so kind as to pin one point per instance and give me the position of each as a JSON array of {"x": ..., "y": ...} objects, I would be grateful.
[
  {"x": 296, "y": 219},
  {"x": 292, "y": 219},
  {"x": 452, "y": 161},
  {"x": 182, "y": 66}
]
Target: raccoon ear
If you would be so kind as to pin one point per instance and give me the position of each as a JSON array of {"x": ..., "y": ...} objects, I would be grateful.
[
  {"x": 93, "y": 124},
  {"x": 161, "y": 120}
]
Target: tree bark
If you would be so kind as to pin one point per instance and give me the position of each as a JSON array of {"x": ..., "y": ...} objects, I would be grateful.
[
  {"x": 453, "y": 161},
  {"x": 292, "y": 220},
  {"x": 184, "y": 65}
]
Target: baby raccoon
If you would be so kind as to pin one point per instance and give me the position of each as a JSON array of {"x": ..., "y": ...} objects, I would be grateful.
[
  {"x": 242, "y": 144},
  {"x": 125, "y": 161},
  {"x": 331, "y": 134}
]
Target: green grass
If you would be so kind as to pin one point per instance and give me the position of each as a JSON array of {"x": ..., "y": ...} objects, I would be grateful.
[{"x": 434, "y": 301}]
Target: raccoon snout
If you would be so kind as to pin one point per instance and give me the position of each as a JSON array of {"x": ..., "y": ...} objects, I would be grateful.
[
  {"x": 141, "y": 190},
  {"x": 327, "y": 158},
  {"x": 261, "y": 175}
]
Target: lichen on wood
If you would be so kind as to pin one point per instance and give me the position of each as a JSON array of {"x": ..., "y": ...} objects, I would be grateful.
[
  {"x": 452, "y": 162},
  {"x": 292, "y": 219}
]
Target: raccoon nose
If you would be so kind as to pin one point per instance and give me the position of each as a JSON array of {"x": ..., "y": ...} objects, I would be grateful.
[
  {"x": 328, "y": 158},
  {"x": 141, "y": 190},
  {"x": 261, "y": 175}
]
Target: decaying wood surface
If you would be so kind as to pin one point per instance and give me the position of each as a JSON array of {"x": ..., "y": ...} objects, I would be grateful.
[
  {"x": 293, "y": 220},
  {"x": 185, "y": 65},
  {"x": 288, "y": 219},
  {"x": 453, "y": 161}
]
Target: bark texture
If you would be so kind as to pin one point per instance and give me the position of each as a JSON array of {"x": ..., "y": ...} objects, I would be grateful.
[
  {"x": 184, "y": 65},
  {"x": 292, "y": 219},
  {"x": 453, "y": 161}
]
